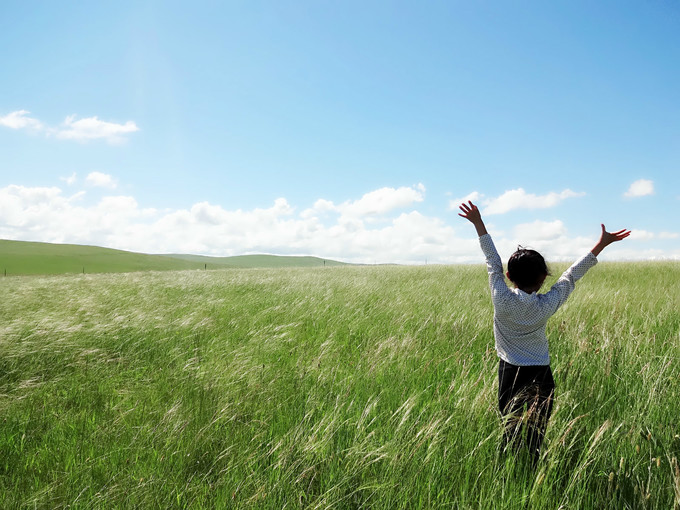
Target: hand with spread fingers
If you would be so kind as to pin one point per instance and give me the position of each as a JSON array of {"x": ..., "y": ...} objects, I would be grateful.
[
  {"x": 472, "y": 214},
  {"x": 607, "y": 238}
]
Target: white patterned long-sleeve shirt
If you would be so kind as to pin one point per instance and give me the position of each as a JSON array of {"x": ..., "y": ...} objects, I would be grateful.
[{"x": 519, "y": 318}]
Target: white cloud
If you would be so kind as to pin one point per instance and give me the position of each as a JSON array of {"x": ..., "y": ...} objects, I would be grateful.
[
  {"x": 641, "y": 235},
  {"x": 520, "y": 199},
  {"x": 20, "y": 120},
  {"x": 407, "y": 237},
  {"x": 18, "y": 204},
  {"x": 540, "y": 231},
  {"x": 640, "y": 188},
  {"x": 101, "y": 180},
  {"x": 70, "y": 180},
  {"x": 645, "y": 235},
  {"x": 382, "y": 201},
  {"x": 372, "y": 205},
  {"x": 624, "y": 253},
  {"x": 514, "y": 199},
  {"x": 455, "y": 203},
  {"x": 91, "y": 128},
  {"x": 320, "y": 208},
  {"x": 45, "y": 214}
]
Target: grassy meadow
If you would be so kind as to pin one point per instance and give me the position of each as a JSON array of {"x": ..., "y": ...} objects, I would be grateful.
[{"x": 342, "y": 387}]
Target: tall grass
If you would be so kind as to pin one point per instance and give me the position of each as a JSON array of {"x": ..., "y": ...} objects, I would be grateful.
[{"x": 368, "y": 387}]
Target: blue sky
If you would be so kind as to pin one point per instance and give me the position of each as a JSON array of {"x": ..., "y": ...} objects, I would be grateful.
[{"x": 347, "y": 130}]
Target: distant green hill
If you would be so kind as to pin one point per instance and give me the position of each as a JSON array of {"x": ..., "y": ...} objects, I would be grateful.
[
  {"x": 254, "y": 261},
  {"x": 24, "y": 258}
]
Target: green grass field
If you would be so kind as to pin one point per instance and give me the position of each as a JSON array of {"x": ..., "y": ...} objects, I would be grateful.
[
  {"x": 344, "y": 387},
  {"x": 26, "y": 258}
]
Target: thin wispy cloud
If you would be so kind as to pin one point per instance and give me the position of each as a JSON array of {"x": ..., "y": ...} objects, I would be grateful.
[
  {"x": 101, "y": 180},
  {"x": 92, "y": 128},
  {"x": 515, "y": 199},
  {"x": 21, "y": 120},
  {"x": 373, "y": 204},
  {"x": 81, "y": 130},
  {"x": 520, "y": 199},
  {"x": 475, "y": 196},
  {"x": 540, "y": 231},
  {"x": 642, "y": 235},
  {"x": 640, "y": 188},
  {"x": 647, "y": 235},
  {"x": 70, "y": 180}
]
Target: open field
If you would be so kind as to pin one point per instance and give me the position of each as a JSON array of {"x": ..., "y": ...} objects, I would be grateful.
[
  {"x": 344, "y": 387},
  {"x": 27, "y": 258}
]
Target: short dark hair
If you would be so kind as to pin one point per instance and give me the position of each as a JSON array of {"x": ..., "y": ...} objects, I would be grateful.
[{"x": 527, "y": 268}]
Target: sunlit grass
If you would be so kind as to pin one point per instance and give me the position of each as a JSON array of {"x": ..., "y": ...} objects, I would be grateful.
[{"x": 328, "y": 388}]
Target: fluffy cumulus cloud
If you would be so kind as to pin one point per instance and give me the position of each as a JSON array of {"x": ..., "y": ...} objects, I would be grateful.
[
  {"x": 46, "y": 214},
  {"x": 640, "y": 188},
  {"x": 347, "y": 231},
  {"x": 383, "y": 201},
  {"x": 515, "y": 199},
  {"x": 403, "y": 236},
  {"x": 81, "y": 130}
]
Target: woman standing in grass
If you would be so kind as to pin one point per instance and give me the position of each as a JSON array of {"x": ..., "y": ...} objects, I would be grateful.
[{"x": 520, "y": 317}]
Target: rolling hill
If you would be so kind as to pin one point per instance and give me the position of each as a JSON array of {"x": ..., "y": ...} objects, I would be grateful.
[{"x": 25, "y": 258}]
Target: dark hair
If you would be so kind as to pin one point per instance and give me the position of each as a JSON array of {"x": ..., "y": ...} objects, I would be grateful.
[{"x": 527, "y": 268}]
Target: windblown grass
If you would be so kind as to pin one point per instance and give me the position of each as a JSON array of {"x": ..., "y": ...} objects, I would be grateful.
[{"x": 370, "y": 387}]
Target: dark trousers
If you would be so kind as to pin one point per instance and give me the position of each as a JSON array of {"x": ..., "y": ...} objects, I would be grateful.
[{"x": 525, "y": 400}]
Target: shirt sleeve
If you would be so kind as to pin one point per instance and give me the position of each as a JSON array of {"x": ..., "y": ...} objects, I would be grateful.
[
  {"x": 560, "y": 291},
  {"x": 494, "y": 266}
]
